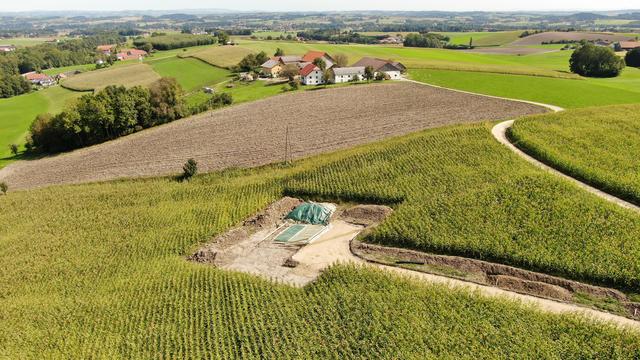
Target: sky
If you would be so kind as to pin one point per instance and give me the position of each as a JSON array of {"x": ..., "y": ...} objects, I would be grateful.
[{"x": 323, "y": 5}]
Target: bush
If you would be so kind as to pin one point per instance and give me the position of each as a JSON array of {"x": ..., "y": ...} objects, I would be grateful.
[
  {"x": 14, "y": 149},
  {"x": 189, "y": 169},
  {"x": 633, "y": 58},
  {"x": 596, "y": 61},
  {"x": 3, "y": 188}
]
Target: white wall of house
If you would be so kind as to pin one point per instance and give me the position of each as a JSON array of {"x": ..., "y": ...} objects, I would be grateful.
[
  {"x": 346, "y": 78},
  {"x": 393, "y": 75},
  {"x": 314, "y": 78}
]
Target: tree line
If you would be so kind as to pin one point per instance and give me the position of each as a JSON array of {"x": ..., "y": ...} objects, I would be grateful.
[
  {"x": 110, "y": 113},
  {"x": 176, "y": 41}
]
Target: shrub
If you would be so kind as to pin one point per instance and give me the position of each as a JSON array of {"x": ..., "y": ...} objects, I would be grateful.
[
  {"x": 4, "y": 187},
  {"x": 595, "y": 61},
  {"x": 14, "y": 149},
  {"x": 189, "y": 169},
  {"x": 633, "y": 58}
]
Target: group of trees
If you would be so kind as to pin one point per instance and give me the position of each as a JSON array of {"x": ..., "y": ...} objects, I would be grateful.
[
  {"x": 337, "y": 36},
  {"x": 11, "y": 83},
  {"x": 176, "y": 41},
  {"x": 251, "y": 62},
  {"x": 595, "y": 61},
  {"x": 108, "y": 114}
]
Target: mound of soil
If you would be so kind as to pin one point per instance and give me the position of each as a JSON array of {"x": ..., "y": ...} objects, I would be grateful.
[{"x": 366, "y": 214}]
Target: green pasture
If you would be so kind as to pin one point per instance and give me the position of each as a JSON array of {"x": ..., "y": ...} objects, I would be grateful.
[
  {"x": 191, "y": 73},
  {"x": 484, "y": 38},
  {"x": 597, "y": 145},
  {"x": 463, "y": 193},
  {"x": 567, "y": 93},
  {"x": 60, "y": 70}
]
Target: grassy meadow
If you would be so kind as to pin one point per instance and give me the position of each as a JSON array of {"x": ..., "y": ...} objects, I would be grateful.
[
  {"x": 484, "y": 38},
  {"x": 99, "y": 270},
  {"x": 596, "y": 145},
  {"x": 191, "y": 73},
  {"x": 566, "y": 93}
]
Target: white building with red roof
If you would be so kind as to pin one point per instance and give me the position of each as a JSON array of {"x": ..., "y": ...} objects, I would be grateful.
[
  {"x": 39, "y": 79},
  {"x": 311, "y": 75},
  {"x": 131, "y": 54}
]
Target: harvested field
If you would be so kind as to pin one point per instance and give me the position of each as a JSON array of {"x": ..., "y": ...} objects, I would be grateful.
[
  {"x": 222, "y": 56},
  {"x": 510, "y": 50},
  {"x": 127, "y": 75},
  {"x": 550, "y": 36},
  {"x": 253, "y": 134}
]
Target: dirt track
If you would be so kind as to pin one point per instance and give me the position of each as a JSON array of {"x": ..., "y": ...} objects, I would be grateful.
[{"x": 253, "y": 134}]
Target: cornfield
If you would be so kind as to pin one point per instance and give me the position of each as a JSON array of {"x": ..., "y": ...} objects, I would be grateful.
[
  {"x": 596, "y": 145},
  {"x": 99, "y": 270}
]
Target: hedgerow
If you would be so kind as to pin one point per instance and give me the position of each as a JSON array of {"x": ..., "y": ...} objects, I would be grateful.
[{"x": 176, "y": 41}]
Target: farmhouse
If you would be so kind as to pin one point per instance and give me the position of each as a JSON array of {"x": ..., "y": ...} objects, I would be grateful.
[
  {"x": 629, "y": 45},
  {"x": 7, "y": 48},
  {"x": 131, "y": 54},
  {"x": 390, "y": 68},
  {"x": 272, "y": 67},
  {"x": 346, "y": 74},
  {"x": 106, "y": 49},
  {"x": 311, "y": 75},
  {"x": 311, "y": 56},
  {"x": 39, "y": 79}
]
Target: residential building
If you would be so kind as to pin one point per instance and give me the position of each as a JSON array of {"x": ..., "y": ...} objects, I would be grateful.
[
  {"x": 311, "y": 56},
  {"x": 39, "y": 79},
  {"x": 311, "y": 75},
  {"x": 629, "y": 45},
  {"x": 272, "y": 67},
  {"x": 347, "y": 74},
  {"x": 390, "y": 68},
  {"x": 106, "y": 49},
  {"x": 131, "y": 54},
  {"x": 7, "y": 48}
]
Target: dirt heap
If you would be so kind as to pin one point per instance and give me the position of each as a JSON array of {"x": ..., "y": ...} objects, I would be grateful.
[{"x": 366, "y": 214}]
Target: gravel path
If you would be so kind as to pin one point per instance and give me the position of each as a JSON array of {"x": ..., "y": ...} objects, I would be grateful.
[{"x": 253, "y": 134}]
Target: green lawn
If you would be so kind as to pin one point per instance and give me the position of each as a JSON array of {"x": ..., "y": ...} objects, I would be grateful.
[
  {"x": 17, "y": 114},
  {"x": 566, "y": 93},
  {"x": 597, "y": 145},
  {"x": 56, "y": 71},
  {"x": 192, "y": 74},
  {"x": 142, "y": 299}
]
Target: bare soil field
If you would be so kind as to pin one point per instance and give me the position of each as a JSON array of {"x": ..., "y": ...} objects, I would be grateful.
[
  {"x": 538, "y": 39},
  {"x": 253, "y": 134},
  {"x": 510, "y": 50},
  {"x": 127, "y": 75}
]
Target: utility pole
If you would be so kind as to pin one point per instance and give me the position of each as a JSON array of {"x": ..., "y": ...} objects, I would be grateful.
[{"x": 286, "y": 146}]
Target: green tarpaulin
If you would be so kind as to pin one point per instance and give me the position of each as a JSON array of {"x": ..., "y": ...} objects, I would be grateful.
[{"x": 311, "y": 213}]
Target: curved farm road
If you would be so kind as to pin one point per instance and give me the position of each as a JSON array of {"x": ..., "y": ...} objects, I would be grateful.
[
  {"x": 500, "y": 133},
  {"x": 334, "y": 247}
]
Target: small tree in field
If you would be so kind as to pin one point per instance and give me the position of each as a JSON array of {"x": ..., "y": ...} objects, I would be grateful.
[
  {"x": 369, "y": 73},
  {"x": 633, "y": 58},
  {"x": 595, "y": 61},
  {"x": 189, "y": 169},
  {"x": 14, "y": 149},
  {"x": 279, "y": 52},
  {"x": 3, "y": 188}
]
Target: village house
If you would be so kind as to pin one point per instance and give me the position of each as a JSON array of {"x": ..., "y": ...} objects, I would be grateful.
[
  {"x": 7, "y": 48},
  {"x": 392, "y": 69},
  {"x": 392, "y": 40},
  {"x": 346, "y": 74},
  {"x": 272, "y": 68},
  {"x": 131, "y": 54},
  {"x": 106, "y": 49},
  {"x": 629, "y": 45},
  {"x": 311, "y": 75},
  {"x": 311, "y": 56},
  {"x": 39, "y": 79}
]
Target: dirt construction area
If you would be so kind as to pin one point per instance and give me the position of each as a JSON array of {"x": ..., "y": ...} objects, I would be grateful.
[{"x": 253, "y": 134}]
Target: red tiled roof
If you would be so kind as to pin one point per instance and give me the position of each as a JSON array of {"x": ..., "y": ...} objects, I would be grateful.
[
  {"x": 629, "y": 44},
  {"x": 312, "y": 55},
  {"x": 308, "y": 69},
  {"x": 36, "y": 76},
  {"x": 105, "y": 47},
  {"x": 130, "y": 54}
]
